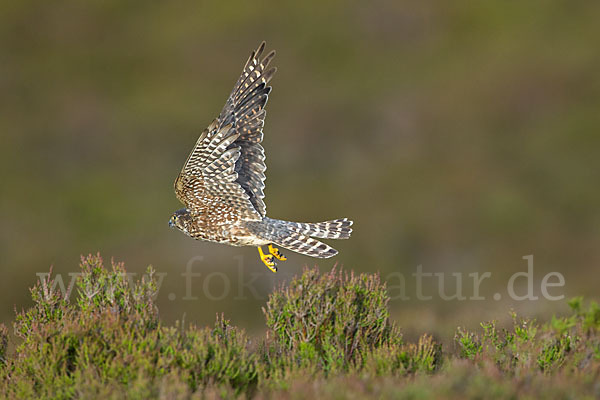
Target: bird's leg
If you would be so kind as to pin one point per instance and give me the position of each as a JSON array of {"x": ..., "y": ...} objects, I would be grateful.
[
  {"x": 267, "y": 259},
  {"x": 275, "y": 251}
]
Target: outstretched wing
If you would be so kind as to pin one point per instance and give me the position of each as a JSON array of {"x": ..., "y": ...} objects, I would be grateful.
[
  {"x": 207, "y": 183},
  {"x": 245, "y": 110},
  {"x": 224, "y": 173}
]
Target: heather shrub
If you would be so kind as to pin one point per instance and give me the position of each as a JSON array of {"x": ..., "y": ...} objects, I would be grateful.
[
  {"x": 567, "y": 344},
  {"x": 425, "y": 356},
  {"x": 109, "y": 341},
  {"x": 328, "y": 322},
  {"x": 3, "y": 344},
  {"x": 328, "y": 335}
]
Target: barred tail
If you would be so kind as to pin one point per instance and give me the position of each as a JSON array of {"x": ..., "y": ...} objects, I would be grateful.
[
  {"x": 299, "y": 237},
  {"x": 335, "y": 229},
  {"x": 307, "y": 246}
]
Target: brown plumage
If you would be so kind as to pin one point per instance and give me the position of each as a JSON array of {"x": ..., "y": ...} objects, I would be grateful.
[{"x": 221, "y": 183}]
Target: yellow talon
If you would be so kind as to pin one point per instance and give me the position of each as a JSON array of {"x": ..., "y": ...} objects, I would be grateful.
[
  {"x": 267, "y": 259},
  {"x": 275, "y": 251}
]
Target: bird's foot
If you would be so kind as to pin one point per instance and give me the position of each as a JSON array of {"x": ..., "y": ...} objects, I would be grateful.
[
  {"x": 275, "y": 251},
  {"x": 268, "y": 260}
]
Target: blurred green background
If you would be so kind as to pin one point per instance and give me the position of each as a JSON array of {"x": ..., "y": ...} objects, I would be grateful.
[{"x": 460, "y": 136}]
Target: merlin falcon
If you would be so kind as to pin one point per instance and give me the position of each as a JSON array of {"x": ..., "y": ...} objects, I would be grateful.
[{"x": 221, "y": 183}]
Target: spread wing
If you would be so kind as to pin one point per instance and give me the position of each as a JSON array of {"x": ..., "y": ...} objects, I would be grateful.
[
  {"x": 245, "y": 110},
  {"x": 226, "y": 167}
]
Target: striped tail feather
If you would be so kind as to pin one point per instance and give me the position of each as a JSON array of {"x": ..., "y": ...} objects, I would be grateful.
[
  {"x": 334, "y": 229},
  {"x": 306, "y": 245}
]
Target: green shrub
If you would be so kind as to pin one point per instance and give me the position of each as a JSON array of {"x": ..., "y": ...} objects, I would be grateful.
[
  {"x": 331, "y": 321},
  {"x": 329, "y": 335},
  {"x": 110, "y": 341},
  {"x": 468, "y": 344},
  {"x": 3, "y": 344},
  {"x": 425, "y": 356},
  {"x": 565, "y": 344}
]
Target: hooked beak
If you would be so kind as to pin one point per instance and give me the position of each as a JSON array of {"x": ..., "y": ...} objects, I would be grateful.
[{"x": 171, "y": 224}]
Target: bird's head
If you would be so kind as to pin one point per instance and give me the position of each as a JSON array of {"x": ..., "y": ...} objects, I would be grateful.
[{"x": 180, "y": 220}]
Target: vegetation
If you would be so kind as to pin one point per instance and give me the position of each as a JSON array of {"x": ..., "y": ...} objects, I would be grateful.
[
  {"x": 331, "y": 330},
  {"x": 458, "y": 135}
]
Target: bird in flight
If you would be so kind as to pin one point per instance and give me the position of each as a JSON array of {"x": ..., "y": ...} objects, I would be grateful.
[{"x": 221, "y": 183}]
